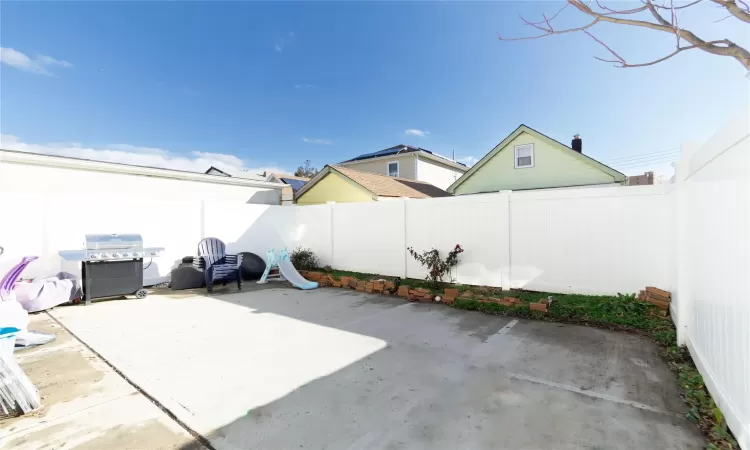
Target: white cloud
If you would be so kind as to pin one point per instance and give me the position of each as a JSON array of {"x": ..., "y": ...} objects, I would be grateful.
[
  {"x": 304, "y": 86},
  {"x": 318, "y": 141},
  {"x": 283, "y": 41},
  {"x": 142, "y": 156},
  {"x": 38, "y": 65},
  {"x": 415, "y": 132},
  {"x": 468, "y": 160}
]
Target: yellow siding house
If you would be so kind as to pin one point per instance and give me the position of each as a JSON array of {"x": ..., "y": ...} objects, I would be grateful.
[
  {"x": 345, "y": 185},
  {"x": 527, "y": 159}
]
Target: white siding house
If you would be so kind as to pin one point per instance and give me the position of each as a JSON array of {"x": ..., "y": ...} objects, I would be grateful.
[{"x": 412, "y": 163}]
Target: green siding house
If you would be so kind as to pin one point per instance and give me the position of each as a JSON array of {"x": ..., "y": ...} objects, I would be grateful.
[{"x": 527, "y": 159}]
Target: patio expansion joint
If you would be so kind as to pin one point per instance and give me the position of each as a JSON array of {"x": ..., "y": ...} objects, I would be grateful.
[
  {"x": 46, "y": 423},
  {"x": 197, "y": 436},
  {"x": 596, "y": 395}
]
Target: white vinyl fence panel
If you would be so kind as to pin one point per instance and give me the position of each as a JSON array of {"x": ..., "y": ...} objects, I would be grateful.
[
  {"x": 369, "y": 237},
  {"x": 314, "y": 228},
  {"x": 714, "y": 298},
  {"x": 590, "y": 241},
  {"x": 477, "y": 223}
]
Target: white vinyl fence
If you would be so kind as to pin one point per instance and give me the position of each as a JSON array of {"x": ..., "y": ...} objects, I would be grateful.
[
  {"x": 595, "y": 240},
  {"x": 711, "y": 305}
]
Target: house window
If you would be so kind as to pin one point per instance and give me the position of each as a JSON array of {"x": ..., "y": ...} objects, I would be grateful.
[
  {"x": 393, "y": 169},
  {"x": 524, "y": 156}
]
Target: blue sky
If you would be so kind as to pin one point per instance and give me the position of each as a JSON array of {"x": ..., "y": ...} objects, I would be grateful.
[{"x": 268, "y": 85}]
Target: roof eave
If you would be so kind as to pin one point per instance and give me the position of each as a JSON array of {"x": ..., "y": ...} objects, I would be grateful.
[
  {"x": 39, "y": 159},
  {"x": 428, "y": 155}
]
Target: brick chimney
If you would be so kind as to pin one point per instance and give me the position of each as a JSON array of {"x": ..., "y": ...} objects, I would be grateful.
[{"x": 577, "y": 143}]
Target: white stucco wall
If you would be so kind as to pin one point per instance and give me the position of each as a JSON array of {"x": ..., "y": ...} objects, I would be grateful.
[{"x": 50, "y": 208}]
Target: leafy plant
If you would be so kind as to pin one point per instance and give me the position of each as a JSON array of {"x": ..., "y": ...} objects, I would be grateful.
[
  {"x": 437, "y": 267},
  {"x": 304, "y": 259}
]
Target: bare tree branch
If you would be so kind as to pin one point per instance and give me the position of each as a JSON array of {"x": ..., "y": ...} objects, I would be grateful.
[
  {"x": 724, "y": 47},
  {"x": 679, "y": 7},
  {"x": 536, "y": 25},
  {"x": 620, "y": 59},
  {"x": 554, "y": 15},
  {"x": 735, "y": 9},
  {"x": 724, "y": 18},
  {"x": 656, "y": 61},
  {"x": 549, "y": 33},
  {"x": 731, "y": 49}
]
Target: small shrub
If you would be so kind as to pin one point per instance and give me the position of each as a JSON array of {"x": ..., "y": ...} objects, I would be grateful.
[
  {"x": 437, "y": 267},
  {"x": 304, "y": 259}
]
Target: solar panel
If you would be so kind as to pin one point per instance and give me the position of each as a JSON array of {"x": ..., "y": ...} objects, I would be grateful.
[
  {"x": 388, "y": 151},
  {"x": 295, "y": 184}
]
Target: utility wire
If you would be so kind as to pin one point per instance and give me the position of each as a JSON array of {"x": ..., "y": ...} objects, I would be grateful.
[
  {"x": 638, "y": 155},
  {"x": 646, "y": 158},
  {"x": 650, "y": 158},
  {"x": 647, "y": 163},
  {"x": 643, "y": 155}
]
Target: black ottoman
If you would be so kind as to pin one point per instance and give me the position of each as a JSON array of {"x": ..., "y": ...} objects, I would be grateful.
[
  {"x": 252, "y": 267},
  {"x": 187, "y": 277}
]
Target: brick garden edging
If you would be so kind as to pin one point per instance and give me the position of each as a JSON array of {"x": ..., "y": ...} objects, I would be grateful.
[
  {"x": 448, "y": 296},
  {"x": 657, "y": 297}
]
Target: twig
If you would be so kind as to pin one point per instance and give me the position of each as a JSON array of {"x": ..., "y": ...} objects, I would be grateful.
[
  {"x": 624, "y": 65},
  {"x": 548, "y": 33},
  {"x": 674, "y": 23},
  {"x": 549, "y": 25},
  {"x": 741, "y": 13},
  {"x": 620, "y": 58},
  {"x": 680, "y": 7},
  {"x": 554, "y": 15}
]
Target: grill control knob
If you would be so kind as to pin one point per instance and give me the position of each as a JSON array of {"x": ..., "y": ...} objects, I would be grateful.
[
  {"x": 125, "y": 254},
  {"x": 105, "y": 255},
  {"x": 115, "y": 255},
  {"x": 92, "y": 256}
]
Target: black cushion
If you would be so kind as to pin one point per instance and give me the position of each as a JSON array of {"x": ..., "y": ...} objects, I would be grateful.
[{"x": 252, "y": 266}]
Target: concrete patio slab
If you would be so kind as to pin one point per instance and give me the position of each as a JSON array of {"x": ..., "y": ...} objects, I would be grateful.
[
  {"x": 283, "y": 368},
  {"x": 86, "y": 404}
]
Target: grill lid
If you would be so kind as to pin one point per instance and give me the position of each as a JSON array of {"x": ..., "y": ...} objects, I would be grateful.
[
  {"x": 112, "y": 241},
  {"x": 105, "y": 247}
]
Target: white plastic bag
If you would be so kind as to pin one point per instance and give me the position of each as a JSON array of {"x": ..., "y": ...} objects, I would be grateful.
[{"x": 12, "y": 315}]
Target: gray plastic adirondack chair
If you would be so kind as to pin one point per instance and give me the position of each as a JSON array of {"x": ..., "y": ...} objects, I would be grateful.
[{"x": 217, "y": 265}]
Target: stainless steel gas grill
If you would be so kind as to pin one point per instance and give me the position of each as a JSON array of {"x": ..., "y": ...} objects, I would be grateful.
[{"x": 112, "y": 265}]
